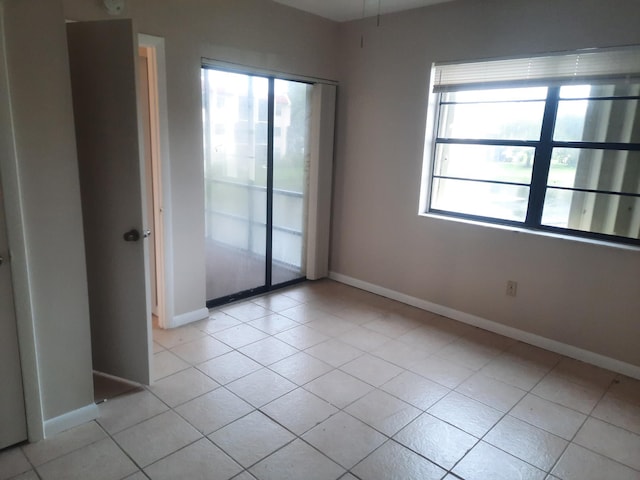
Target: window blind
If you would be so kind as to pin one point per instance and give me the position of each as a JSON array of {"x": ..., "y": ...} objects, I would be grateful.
[{"x": 583, "y": 66}]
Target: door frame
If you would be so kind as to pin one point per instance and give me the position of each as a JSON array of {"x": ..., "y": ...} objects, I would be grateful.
[
  {"x": 320, "y": 180},
  {"x": 18, "y": 244},
  {"x": 165, "y": 284}
]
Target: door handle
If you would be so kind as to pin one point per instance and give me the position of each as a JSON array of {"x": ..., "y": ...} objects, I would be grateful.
[
  {"x": 132, "y": 235},
  {"x": 1, "y": 260}
]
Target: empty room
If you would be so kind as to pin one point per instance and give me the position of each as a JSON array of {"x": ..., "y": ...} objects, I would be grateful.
[{"x": 320, "y": 239}]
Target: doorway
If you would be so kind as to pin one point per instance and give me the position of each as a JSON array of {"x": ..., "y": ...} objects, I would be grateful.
[
  {"x": 256, "y": 150},
  {"x": 150, "y": 125}
]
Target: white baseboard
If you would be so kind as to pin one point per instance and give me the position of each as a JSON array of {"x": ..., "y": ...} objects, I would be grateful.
[
  {"x": 499, "y": 328},
  {"x": 55, "y": 425},
  {"x": 188, "y": 317}
]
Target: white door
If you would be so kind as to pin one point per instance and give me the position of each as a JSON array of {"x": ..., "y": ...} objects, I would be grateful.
[
  {"x": 102, "y": 58},
  {"x": 13, "y": 426}
]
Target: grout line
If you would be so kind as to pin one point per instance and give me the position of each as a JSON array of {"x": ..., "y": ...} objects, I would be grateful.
[{"x": 316, "y": 301}]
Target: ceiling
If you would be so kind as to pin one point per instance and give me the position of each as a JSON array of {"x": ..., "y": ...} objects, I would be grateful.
[{"x": 344, "y": 10}]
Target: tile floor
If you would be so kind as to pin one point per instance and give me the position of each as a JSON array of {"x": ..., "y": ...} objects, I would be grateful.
[{"x": 323, "y": 381}]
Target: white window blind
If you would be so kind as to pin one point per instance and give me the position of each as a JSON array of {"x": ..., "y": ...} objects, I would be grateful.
[{"x": 588, "y": 66}]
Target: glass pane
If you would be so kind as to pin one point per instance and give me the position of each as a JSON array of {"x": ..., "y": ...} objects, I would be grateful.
[
  {"x": 590, "y": 91},
  {"x": 235, "y": 134},
  {"x": 493, "y": 121},
  {"x": 506, "y": 202},
  {"x": 610, "y": 170},
  {"x": 592, "y": 212},
  {"x": 290, "y": 167},
  {"x": 507, "y": 114},
  {"x": 496, "y": 95},
  {"x": 485, "y": 162},
  {"x": 612, "y": 121}
]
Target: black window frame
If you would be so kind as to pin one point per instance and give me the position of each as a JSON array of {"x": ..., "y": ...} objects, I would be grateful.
[{"x": 538, "y": 186}]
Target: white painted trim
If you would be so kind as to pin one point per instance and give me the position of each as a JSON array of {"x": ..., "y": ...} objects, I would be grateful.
[
  {"x": 188, "y": 317},
  {"x": 70, "y": 419},
  {"x": 163, "y": 116},
  {"x": 19, "y": 255},
  {"x": 321, "y": 131},
  {"x": 517, "y": 334}
]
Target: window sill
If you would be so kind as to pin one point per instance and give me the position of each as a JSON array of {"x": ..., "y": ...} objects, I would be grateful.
[{"x": 538, "y": 233}]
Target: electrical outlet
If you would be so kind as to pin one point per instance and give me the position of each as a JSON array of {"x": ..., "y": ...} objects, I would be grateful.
[{"x": 512, "y": 288}]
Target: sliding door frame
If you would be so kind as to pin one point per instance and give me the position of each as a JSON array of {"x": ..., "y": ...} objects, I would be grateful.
[{"x": 271, "y": 77}]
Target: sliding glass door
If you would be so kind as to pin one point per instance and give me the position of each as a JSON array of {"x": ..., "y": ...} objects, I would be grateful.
[{"x": 256, "y": 136}]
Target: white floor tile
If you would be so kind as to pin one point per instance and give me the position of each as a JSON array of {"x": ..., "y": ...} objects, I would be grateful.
[
  {"x": 578, "y": 463},
  {"x": 614, "y": 442},
  {"x": 299, "y": 410},
  {"x": 269, "y": 350},
  {"x": 261, "y": 387},
  {"x": 102, "y": 460},
  {"x": 531, "y": 444},
  {"x": 276, "y": 302},
  {"x": 372, "y": 370},
  {"x": 183, "y": 386},
  {"x": 201, "y": 350},
  {"x": 240, "y": 335},
  {"x": 416, "y": 390},
  {"x": 274, "y": 323},
  {"x": 485, "y": 461},
  {"x": 214, "y": 410},
  {"x": 334, "y": 352},
  {"x": 166, "y": 363},
  {"x": 251, "y": 438},
  {"x": 344, "y": 439},
  {"x": 297, "y": 461},
  {"x": 619, "y": 411},
  {"x": 489, "y": 391},
  {"x": 301, "y": 368},
  {"x": 12, "y": 463},
  {"x": 129, "y": 409},
  {"x": 229, "y": 367},
  {"x": 364, "y": 339},
  {"x": 172, "y": 337},
  {"x": 439, "y": 442},
  {"x": 63, "y": 443},
  {"x": 385, "y": 364},
  {"x": 549, "y": 416},
  {"x": 442, "y": 371},
  {"x": 465, "y": 413},
  {"x": 201, "y": 460},
  {"x": 400, "y": 354},
  {"x": 302, "y": 337},
  {"x": 246, "y": 311},
  {"x": 393, "y": 461},
  {"x": 558, "y": 389},
  {"x": 156, "y": 438},
  {"x": 29, "y": 475},
  {"x": 383, "y": 412},
  {"x": 338, "y": 388}
]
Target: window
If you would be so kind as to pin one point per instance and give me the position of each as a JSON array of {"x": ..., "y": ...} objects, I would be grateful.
[{"x": 548, "y": 143}]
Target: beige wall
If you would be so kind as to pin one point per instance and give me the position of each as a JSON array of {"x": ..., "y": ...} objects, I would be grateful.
[
  {"x": 578, "y": 293},
  {"x": 582, "y": 294},
  {"x": 254, "y": 32},
  {"x": 46, "y": 175},
  {"x": 258, "y": 33}
]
